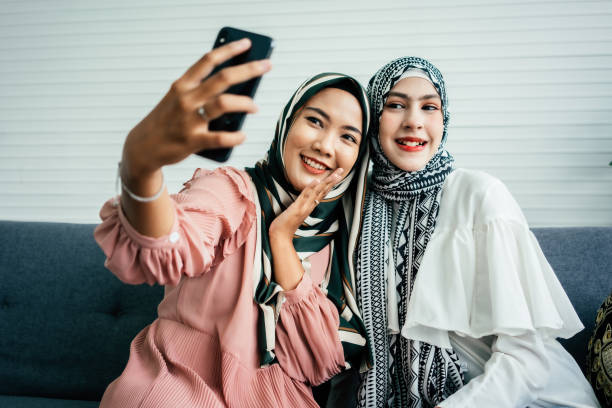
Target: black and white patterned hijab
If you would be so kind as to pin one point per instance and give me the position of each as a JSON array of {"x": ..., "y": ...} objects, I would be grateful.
[{"x": 400, "y": 216}]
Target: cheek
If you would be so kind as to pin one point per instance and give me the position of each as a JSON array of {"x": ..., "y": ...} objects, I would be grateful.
[
  {"x": 385, "y": 133},
  {"x": 386, "y": 124},
  {"x": 437, "y": 130},
  {"x": 346, "y": 156},
  {"x": 287, "y": 154},
  {"x": 291, "y": 159},
  {"x": 294, "y": 142},
  {"x": 387, "y": 144}
]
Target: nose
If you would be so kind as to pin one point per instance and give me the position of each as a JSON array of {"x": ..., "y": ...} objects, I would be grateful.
[
  {"x": 413, "y": 119},
  {"x": 324, "y": 143}
]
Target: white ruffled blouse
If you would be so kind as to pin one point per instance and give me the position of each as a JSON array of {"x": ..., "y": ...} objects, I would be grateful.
[{"x": 496, "y": 301}]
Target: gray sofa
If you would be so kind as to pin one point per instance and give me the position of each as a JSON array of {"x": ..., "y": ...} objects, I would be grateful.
[{"x": 66, "y": 322}]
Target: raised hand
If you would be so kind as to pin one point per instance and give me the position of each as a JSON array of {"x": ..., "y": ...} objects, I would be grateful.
[
  {"x": 288, "y": 269},
  {"x": 174, "y": 129},
  {"x": 286, "y": 223}
]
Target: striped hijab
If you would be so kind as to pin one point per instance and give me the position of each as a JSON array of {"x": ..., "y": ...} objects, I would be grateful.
[{"x": 334, "y": 222}]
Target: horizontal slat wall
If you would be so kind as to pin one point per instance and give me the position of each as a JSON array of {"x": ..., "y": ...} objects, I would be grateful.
[{"x": 529, "y": 82}]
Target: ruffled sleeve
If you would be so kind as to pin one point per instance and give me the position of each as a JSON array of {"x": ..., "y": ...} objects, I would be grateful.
[
  {"x": 307, "y": 344},
  {"x": 213, "y": 215},
  {"x": 487, "y": 276}
]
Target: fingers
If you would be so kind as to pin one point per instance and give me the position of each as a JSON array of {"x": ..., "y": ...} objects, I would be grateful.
[
  {"x": 225, "y": 78},
  {"x": 316, "y": 191},
  {"x": 227, "y": 103},
  {"x": 204, "y": 66},
  {"x": 326, "y": 185},
  {"x": 308, "y": 199}
]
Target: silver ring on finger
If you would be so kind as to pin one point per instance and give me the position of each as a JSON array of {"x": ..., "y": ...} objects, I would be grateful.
[
  {"x": 202, "y": 113},
  {"x": 317, "y": 202}
]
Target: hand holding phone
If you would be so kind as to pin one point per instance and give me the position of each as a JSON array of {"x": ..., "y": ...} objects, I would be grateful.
[
  {"x": 261, "y": 48},
  {"x": 174, "y": 130}
]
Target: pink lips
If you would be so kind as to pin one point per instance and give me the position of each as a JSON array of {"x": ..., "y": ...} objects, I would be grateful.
[{"x": 408, "y": 148}]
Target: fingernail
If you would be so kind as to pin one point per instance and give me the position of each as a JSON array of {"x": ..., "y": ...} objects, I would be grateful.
[
  {"x": 265, "y": 65},
  {"x": 340, "y": 171},
  {"x": 244, "y": 43}
]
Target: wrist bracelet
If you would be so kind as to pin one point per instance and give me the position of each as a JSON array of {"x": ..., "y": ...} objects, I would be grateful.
[{"x": 136, "y": 197}]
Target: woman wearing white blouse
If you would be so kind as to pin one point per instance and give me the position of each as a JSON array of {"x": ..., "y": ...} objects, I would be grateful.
[{"x": 460, "y": 305}]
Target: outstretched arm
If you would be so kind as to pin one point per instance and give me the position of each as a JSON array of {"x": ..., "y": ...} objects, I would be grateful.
[{"x": 174, "y": 130}]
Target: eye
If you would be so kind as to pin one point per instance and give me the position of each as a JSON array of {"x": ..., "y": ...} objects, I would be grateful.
[
  {"x": 430, "y": 107},
  {"x": 316, "y": 121},
  {"x": 349, "y": 137},
  {"x": 394, "y": 105}
]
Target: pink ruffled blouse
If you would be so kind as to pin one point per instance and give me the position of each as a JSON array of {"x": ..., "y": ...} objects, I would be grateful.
[{"x": 202, "y": 350}]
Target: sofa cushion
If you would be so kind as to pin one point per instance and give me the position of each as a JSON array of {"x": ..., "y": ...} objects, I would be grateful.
[
  {"x": 582, "y": 260},
  {"x": 66, "y": 321}
]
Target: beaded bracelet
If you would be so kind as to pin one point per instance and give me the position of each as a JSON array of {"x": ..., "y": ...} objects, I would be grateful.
[{"x": 134, "y": 196}]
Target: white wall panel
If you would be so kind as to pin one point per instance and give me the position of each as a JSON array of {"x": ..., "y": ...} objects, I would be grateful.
[{"x": 530, "y": 88}]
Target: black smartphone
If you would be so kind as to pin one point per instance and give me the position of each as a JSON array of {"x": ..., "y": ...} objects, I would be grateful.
[{"x": 261, "y": 48}]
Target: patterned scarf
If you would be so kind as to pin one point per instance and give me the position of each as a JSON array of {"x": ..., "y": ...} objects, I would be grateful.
[
  {"x": 400, "y": 216},
  {"x": 335, "y": 222}
]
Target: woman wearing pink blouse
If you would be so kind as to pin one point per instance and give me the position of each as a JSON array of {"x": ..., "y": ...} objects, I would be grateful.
[{"x": 257, "y": 263}]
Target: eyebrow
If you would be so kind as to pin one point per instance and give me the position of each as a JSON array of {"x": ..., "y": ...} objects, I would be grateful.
[
  {"x": 421, "y": 98},
  {"x": 326, "y": 116}
]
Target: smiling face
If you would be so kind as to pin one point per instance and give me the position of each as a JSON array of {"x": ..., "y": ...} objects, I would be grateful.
[
  {"x": 325, "y": 135},
  {"x": 411, "y": 124}
]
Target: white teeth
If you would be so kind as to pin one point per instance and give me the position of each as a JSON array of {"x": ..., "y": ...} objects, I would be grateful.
[
  {"x": 312, "y": 163},
  {"x": 407, "y": 143}
]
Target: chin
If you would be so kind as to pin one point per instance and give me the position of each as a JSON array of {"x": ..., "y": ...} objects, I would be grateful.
[
  {"x": 300, "y": 182},
  {"x": 299, "y": 187},
  {"x": 412, "y": 164},
  {"x": 402, "y": 163}
]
